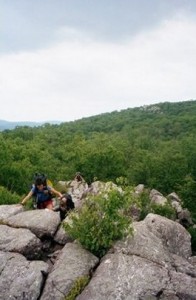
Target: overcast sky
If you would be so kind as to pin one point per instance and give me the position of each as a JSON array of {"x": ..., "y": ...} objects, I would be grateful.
[{"x": 68, "y": 59}]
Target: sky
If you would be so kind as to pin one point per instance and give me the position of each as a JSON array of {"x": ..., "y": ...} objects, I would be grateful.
[{"x": 65, "y": 60}]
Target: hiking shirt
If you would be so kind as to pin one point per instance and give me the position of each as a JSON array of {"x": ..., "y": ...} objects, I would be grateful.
[{"x": 43, "y": 195}]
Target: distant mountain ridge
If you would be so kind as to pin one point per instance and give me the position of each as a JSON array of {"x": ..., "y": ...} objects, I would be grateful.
[
  {"x": 11, "y": 125},
  {"x": 116, "y": 120}
]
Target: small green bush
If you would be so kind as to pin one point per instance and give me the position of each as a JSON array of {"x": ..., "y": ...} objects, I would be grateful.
[
  {"x": 100, "y": 222},
  {"x": 140, "y": 201},
  {"x": 6, "y": 197},
  {"x": 163, "y": 210},
  {"x": 78, "y": 287},
  {"x": 144, "y": 204}
]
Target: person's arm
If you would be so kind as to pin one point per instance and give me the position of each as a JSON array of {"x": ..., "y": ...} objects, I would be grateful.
[
  {"x": 57, "y": 193},
  {"x": 29, "y": 195}
]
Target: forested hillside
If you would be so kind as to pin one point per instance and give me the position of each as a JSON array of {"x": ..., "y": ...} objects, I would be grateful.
[{"x": 154, "y": 145}]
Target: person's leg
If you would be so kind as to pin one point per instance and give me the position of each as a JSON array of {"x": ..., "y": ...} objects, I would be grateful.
[
  {"x": 40, "y": 206},
  {"x": 48, "y": 204},
  {"x": 63, "y": 214}
]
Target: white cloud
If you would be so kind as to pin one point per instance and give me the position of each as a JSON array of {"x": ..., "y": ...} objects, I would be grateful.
[{"x": 80, "y": 76}]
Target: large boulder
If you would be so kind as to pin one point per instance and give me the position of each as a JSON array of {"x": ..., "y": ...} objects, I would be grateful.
[
  {"x": 74, "y": 262},
  {"x": 174, "y": 236},
  {"x": 9, "y": 210},
  {"x": 20, "y": 240},
  {"x": 122, "y": 276},
  {"x": 19, "y": 278},
  {"x": 144, "y": 243},
  {"x": 42, "y": 222}
]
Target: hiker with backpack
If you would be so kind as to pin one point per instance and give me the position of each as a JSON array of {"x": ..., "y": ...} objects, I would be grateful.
[
  {"x": 78, "y": 177},
  {"x": 42, "y": 192},
  {"x": 65, "y": 205}
]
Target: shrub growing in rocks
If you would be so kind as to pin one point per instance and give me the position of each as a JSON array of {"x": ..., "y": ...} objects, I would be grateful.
[{"x": 100, "y": 222}]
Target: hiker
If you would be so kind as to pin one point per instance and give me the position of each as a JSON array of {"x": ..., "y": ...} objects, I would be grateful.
[
  {"x": 42, "y": 193},
  {"x": 78, "y": 177},
  {"x": 65, "y": 205}
]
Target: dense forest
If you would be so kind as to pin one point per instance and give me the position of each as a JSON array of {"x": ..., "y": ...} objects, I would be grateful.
[{"x": 154, "y": 145}]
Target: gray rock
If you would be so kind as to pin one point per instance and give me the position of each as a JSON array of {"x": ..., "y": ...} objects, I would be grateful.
[
  {"x": 143, "y": 267},
  {"x": 77, "y": 189},
  {"x": 43, "y": 223},
  {"x": 121, "y": 276},
  {"x": 62, "y": 237},
  {"x": 145, "y": 244},
  {"x": 19, "y": 278},
  {"x": 155, "y": 263},
  {"x": 182, "y": 285},
  {"x": 182, "y": 265},
  {"x": 185, "y": 218},
  {"x": 139, "y": 189},
  {"x": 98, "y": 187},
  {"x": 177, "y": 206},
  {"x": 20, "y": 240},
  {"x": 174, "y": 197},
  {"x": 157, "y": 198},
  {"x": 174, "y": 236},
  {"x": 192, "y": 260},
  {"x": 73, "y": 263},
  {"x": 9, "y": 210}
]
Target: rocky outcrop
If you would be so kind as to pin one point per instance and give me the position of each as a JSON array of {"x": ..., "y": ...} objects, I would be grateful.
[
  {"x": 30, "y": 235},
  {"x": 146, "y": 266},
  {"x": 77, "y": 189},
  {"x": 80, "y": 189},
  {"x": 183, "y": 214},
  {"x": 38, "y": 260}
]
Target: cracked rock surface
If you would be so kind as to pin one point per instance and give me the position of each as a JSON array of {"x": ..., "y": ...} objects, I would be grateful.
[{"x": 154, "y": 263}]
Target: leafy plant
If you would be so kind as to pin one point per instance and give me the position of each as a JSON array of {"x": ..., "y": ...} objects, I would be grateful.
[
  {"x": 163, "y": 210},
  {"x": 78, "y": 287},
  {"x": 6, "y": 197},
  {"x": 144, "y": 203},
  {"x": 187, "y": 193},
  {"x": 100, "y": 222}
]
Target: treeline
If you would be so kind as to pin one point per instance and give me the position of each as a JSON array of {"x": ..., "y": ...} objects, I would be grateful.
[{"x": 154, "y": 145}]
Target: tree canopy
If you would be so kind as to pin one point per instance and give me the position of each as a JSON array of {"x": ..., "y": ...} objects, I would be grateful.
[{"x": 154, "y": 145}]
